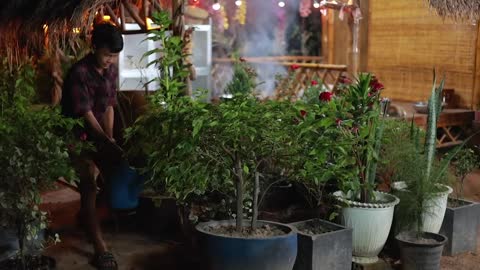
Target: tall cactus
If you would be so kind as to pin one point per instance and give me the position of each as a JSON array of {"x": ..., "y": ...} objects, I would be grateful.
[{"x": 434, "y": 109}]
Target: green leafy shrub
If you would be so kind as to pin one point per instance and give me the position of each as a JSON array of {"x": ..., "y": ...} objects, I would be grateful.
[{"x": 34, "y": 144}]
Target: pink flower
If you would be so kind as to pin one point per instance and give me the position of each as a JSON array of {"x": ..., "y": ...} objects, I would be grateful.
[
  {"x": 355, "y": 130},
  {"x": 295, "y": 66},
  {"x": 83, "y": 136},
  {"x": 325, "y": 96},
  {"x": 338, "y": 121},
  {"x": 303, "y": 113},
  {"x": 314, "y": 82}
]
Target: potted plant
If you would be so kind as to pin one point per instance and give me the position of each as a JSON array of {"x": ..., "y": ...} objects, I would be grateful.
[
  {"x": 419, "y": 247},
  {"x": 193, "y": 148},
  {"x": 33, "y": 155},
  {"x": 368, "y": 212},
  {"x": 458, "y": 224},
  {"x": 319, "y": 160}
]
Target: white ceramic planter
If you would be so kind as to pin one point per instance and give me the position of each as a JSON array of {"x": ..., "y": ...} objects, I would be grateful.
[
  {"x": 370, "y": 222},
  {"x": 435, "y": 208}
]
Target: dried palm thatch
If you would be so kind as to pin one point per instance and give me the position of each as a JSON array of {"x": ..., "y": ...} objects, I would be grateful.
[
  {"x": 463, "y": 10},
  {"x": 27, "y": 26}
]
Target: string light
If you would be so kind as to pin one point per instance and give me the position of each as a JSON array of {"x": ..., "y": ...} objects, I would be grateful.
[
  {"x": 316, "y": 4},
  {"x": 216, "y": 5},
  {"x": 106, "y": 18},
  {"x": 238, "y": 3},
  {"x": 281, "y": 4}
]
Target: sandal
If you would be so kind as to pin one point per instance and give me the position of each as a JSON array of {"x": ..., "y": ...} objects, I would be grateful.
[{"x": 105, "y": 261}]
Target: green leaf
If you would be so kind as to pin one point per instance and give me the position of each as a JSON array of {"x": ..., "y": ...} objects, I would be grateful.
[{"x": 246, "y": 169}]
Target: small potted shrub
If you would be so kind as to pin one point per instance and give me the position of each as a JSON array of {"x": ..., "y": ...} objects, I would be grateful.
[
  {"x": 319, "y": 160},
  {"x": 458, "y": 224},
  {"x": 423, "y": 200},
  {"x": 33, "y": 155},
  {"x": 368, "y": 212}
]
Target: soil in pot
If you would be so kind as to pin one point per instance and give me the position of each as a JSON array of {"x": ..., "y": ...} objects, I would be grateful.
[
  {"x": 31, "y": 263},
  {"x": 263, "y": 231},
  {"x": 421, "y": 251},
  {"x": 454, "y": 203},
  {"x": 314, "y": 227}
]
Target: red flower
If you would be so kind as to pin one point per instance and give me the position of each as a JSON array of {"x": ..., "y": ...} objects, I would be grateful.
[
  {"x": 375, "y": 85},
  {"x": 303, "y": 113},
  {"x": 344, "y": 80},
  {"x": 242, "y": 59},
  {"x": 355, "y": 130},
  {"x": 338, "y": 121},
  {"x": 71, "y": 147},
  {"x": 325, "y": 96},
  {"x": 314, "y": 82},
  {"x": 83, "y": 136},
  {"x": 295, "y": 66}
]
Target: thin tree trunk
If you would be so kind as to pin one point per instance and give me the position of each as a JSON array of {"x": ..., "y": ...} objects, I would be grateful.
[
  {"x": 21, "y": 244},
  {"x": 256, "y": 192},
  {"x": 239, "y": 186}
]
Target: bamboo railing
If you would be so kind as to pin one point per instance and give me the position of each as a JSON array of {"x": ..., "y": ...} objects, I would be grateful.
[{"x": 307, "y": 69}]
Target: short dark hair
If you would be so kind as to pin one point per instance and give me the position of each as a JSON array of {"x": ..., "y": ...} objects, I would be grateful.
[{"x": 107, "y": 36}]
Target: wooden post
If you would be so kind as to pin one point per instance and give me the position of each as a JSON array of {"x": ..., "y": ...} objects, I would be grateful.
[
  {"x": 331, "y": 42},
  {"x": 122, "y": 16},
  {"x": 476, "y": 62}
]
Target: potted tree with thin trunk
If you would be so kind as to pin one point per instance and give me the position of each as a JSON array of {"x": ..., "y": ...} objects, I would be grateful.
[{"x": 245, "y": 137}]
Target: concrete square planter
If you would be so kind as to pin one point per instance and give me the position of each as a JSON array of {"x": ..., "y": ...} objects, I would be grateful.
[
  {"x": 331, "y": 250},
  {"x": 460, "y": 225}
]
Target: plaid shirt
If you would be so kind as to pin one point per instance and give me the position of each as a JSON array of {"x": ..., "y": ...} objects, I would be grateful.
[{"x": 85, "y": 89}]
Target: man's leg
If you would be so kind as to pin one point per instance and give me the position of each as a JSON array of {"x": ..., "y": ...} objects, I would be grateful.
[{"x": 88, "y": 174}]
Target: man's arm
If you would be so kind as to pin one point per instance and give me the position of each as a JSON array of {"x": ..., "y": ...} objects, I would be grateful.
[
  {"x": 108, "y": 122},
  {"x": 96, "y": 128}
]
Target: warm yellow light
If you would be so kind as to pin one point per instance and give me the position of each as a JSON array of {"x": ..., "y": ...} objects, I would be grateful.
[
  {"x": 149, "y": 23},
  {"x": 106, "y": 18},
  {"x": 76, "y": 30},
  {"x": 45, "y": 28}
]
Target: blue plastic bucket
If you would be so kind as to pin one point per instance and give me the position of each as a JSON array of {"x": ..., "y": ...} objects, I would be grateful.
[{"x": 125, "y": 186}]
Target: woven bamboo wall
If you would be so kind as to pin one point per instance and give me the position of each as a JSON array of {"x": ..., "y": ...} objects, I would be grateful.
[{"x": 407, "y": 40}]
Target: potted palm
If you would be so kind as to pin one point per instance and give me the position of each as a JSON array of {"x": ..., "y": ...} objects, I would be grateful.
[
  {"x": 368, "y": 212},
  {"x": 458, "y": 224},
  {"x": 33, "y": 155},
  {"x": 193, "y": 148}
]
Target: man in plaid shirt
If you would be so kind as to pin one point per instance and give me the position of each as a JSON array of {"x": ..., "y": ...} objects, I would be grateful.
[{"x": 90, "y": 93}]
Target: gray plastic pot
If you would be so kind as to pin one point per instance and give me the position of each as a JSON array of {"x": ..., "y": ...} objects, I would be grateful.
[
  {"x": 421, "y": 254},
  {"x": 326, "y": 251},
  {"x": 460, "y": 225}
]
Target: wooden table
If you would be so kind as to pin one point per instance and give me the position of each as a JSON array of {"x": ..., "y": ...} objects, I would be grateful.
[{"x": 452, "y": 125}]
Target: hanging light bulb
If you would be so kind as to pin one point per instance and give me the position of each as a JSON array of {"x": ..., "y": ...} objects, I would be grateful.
[
  {"x": 316, "y": 4},
  {"x": 238, "y": 3},
  {"x": 281, "y": 4},
  {"x": 216, "y": 5}
]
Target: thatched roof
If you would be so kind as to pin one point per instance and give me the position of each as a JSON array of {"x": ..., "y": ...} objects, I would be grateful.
[
  {"x": 23, "y": 23},
  {"x": 457, "y": 9}
]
